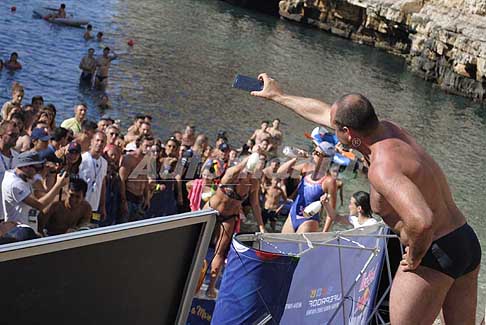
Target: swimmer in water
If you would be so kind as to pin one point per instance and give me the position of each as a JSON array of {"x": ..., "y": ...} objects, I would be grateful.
[
  {"x": 87, "y": 34},
  {"x": 13, "y": 63},
  {"x": 99, "y": 37}
]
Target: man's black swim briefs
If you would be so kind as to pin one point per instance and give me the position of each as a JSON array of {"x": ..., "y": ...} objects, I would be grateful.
[{"x": 454, "y": 254}]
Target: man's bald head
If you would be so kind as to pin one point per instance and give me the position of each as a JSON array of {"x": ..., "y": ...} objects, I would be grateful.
[{"x": 356, "y": 112}]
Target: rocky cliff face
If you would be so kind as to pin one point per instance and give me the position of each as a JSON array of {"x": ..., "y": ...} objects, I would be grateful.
[{"x": 443, "y": 40}]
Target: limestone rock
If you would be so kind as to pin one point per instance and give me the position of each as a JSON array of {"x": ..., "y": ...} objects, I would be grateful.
[{"x": 443, "y": 40}]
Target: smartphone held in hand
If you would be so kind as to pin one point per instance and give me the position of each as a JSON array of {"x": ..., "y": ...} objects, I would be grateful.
[{"x": 247, "y": 83}]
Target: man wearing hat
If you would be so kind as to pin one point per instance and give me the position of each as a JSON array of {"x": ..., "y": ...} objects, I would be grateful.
[
  {"x": 40, "y": 139},
  {"x": 19, "y": 203}
]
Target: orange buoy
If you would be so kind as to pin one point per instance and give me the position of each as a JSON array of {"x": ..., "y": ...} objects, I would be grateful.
[
  {"x": 130, "y": 42},
  {"x": 13, "y": 8}
]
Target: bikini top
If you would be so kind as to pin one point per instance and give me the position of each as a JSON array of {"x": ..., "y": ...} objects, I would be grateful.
[{"x": 230, "y": 191}]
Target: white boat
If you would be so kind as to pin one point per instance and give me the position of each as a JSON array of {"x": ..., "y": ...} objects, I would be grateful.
[{"x": 44, "y": 13}]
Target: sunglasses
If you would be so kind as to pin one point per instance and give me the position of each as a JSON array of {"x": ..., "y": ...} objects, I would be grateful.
[{"x": 114, "y": 134}]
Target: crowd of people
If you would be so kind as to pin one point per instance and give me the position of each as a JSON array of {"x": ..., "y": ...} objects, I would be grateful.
[{"x": 79, "y": 174}]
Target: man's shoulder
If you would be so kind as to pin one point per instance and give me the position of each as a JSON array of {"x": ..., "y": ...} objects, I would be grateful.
[{"x": 68, "y": 122}]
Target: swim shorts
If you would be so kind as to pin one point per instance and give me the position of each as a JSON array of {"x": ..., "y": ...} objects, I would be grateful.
[{"x": 454, "y": 254}]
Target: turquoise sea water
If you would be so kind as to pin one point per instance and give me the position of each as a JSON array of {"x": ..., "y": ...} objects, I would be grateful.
[{"x": 187, "y": 52}]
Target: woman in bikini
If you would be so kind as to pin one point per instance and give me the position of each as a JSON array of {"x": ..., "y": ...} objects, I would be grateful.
[
  {"x": 315, "y": 181},
  {"x": 238, "y": 183},
  {"x": 202, "y": 189}
]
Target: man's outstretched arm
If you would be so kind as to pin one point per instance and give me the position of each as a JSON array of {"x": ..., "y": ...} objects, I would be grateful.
[{"x": 311, "y": 109}]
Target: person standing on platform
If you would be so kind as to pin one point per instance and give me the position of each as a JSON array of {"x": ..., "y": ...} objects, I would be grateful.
[{"x": 409, "y": 190}]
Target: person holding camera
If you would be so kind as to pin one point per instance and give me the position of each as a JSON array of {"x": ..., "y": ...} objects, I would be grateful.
[{"x": 19, "y": 203}]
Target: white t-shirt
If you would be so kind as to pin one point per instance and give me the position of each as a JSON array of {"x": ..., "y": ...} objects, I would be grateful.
[
  {"x": 354, "y": 221},
  {"x": 6, "y": 163},
  {"x": 15, "y": 190},
  {"x": 93, "y": 172}
]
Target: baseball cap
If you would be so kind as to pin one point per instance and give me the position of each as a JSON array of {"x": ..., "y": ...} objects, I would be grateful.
[
  {"x": 74, "y": 147},
  {"x": 49, "y": 155},
  {"x": 224, "y": 147},
  {"x": 130, "y": 147},
  {"x": 28, "y": 158},
  {"x": 40, "y": 134},
  {"x": 318, "y": 134}
]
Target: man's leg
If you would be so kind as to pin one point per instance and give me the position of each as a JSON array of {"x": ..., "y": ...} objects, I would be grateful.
[
  {"x": 417, "y": 297},
  {"x": 461, "y": 300}
]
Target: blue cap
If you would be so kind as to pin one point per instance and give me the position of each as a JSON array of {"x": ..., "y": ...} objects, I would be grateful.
[
  {"x": 49, "y": 155},
  {"x": 40, "y": 134},
  {"x": 224, "y": 147}
]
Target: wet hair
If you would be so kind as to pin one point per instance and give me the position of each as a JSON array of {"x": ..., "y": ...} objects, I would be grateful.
[
  {"x": 63, "y": 6},
  {"x": 356, "y": 112},
  {"x": 14, "y": 53},
  {"x": 99, "y": 34},
  {"x": 106, "y": 49},
  {"x": 88, "y": 125},
  {"x": 78, "y": 185},
  {"x": 139, "y": 117},
  {"x": 265, "y": 121},
  {"x": 91, "y": 49},
  {"x": 36, "y": 98},
  {"x": 89, "y": 26},
  {"x": 363, "y": 200},
  {"x": 148, "y": 117},
  {"x": 145, "y": 122},
  {"x": 276, "y": 119}
]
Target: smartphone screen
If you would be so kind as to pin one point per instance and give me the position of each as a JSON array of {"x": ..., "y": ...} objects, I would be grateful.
[{"x": 247, "y": 83}]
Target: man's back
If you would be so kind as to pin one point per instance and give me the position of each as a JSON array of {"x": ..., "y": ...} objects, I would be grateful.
[{"x": 398, "y": 155}]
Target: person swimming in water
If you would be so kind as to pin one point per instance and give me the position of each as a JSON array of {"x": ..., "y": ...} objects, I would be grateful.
[
  {"x": 87, "y": 34},
  {"x": 13, "y": 63}
]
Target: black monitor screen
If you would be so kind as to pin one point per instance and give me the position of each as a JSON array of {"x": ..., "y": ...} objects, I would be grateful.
[{"x": 134, "y": 280}]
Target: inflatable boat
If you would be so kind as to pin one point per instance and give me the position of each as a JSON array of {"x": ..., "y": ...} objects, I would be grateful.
[{"x": 44, "y": 13}]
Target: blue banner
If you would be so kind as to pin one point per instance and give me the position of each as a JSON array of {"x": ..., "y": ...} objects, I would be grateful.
[
  {"x": 327, "y": 286},
  {"x": 254, "y": 286},
  {"x": 335, "y": 283}
]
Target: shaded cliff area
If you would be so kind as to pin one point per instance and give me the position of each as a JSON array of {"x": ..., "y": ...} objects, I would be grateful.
[{"x": 444, "y": 41}]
